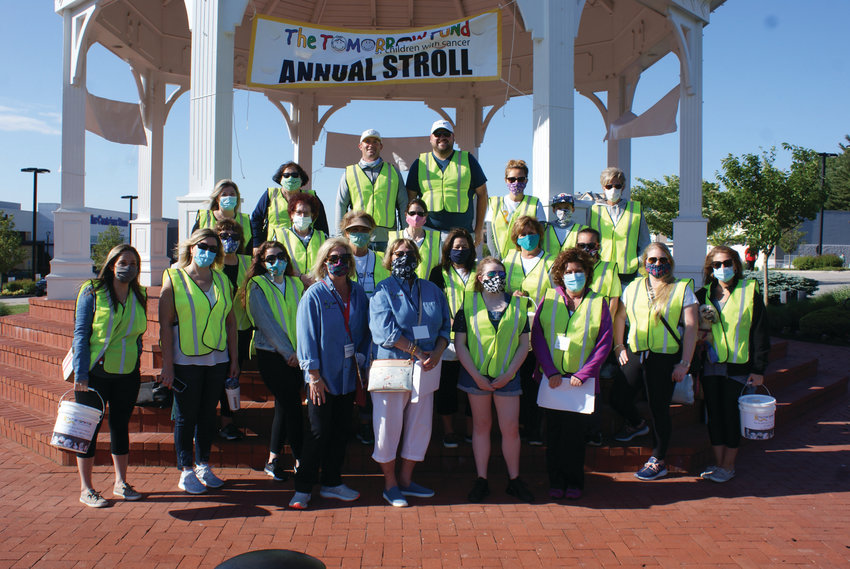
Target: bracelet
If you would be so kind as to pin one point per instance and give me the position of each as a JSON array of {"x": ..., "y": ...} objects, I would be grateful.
[
  {"x": 412, "y": 350},
  {"x": 619, "y": 346},
  {"x": 684, "y": 363}
]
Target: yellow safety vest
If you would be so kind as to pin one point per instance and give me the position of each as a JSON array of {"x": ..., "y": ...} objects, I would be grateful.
[
  {"x": 606, "y": 280},
  {"x": 534, "y": 283},
  {"x": 115, "y": 330},
  {"x": 618, "y": 242},
  {"x": 502, "y": 225},
  {"x": 375, "y": 265},
  {"x": 731, "y": 335},
  {"x": 576, "y": 333},
  {"x": 283, "y": 305},
  {"x": 645, "y": 332},
  {"x": 278, "y": 213},
  {"x": 302, "y": 257},
  {"x": 492, "y": 349},
  {"x": 550, "y": 239},
  {"x": 243, "y": 322},
  {"x": 456, "y": 289},
  {"x": 445, "y": 190},
  {"x": 429, "y": 250},
  {"x": 206, "y": 218},
  {"x": 378, "y": 199},
  {"x": 200, "y": 325}
]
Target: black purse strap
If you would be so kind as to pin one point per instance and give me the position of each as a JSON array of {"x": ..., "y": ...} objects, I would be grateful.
[{"x": 669, "y": 329}]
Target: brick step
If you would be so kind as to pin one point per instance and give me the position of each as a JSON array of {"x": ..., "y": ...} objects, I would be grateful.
[
  {"x": 37, "y": 358},
  {"x": 808, "y": 394},
  {"x": 32, "y": 430},
  {"x": 778, "y": 349},
  {"x": 39, "y": 331},
  {"x": 790, "y": 370},
  {"x": 60, "y": 311}
]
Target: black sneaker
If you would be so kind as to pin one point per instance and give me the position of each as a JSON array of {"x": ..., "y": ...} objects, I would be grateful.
[
  {"x": 480, "y": 491},
  {"x": 230, "y": 432},
  {"x": 365, "y": 435},
  {"x": 451, "y": 440},
  {"x": 517, "y": 487},
  {"x": 629, "y": 432},
  {"x": 276, "y": 471},
  {"x": 594, "y": 439}
]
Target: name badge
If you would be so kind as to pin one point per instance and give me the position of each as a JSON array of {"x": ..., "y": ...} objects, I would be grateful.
[
  {"x": 349, "y": 350},
  {"x": 420, "y": 332},
  {"x": 562, "y": 342}
]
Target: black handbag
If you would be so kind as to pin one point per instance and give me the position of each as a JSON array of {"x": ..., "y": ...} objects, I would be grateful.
[{"x": 153, "y": 394}]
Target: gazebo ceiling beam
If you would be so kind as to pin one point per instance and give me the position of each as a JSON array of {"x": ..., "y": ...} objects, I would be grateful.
[
  {"x": 461, "y": 12},
  {"x": 318, "y": 11}
]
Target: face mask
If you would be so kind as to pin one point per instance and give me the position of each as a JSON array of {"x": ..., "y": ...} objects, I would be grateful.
[
  {"x": 564, "y": 216},
  {"x": 528, "y": 242},
  {"x": 658, "y": 270},
  {"x": 613, "y": 195},
  {"x": 230, "y": 245},
  {"x": 227, "y": 203},
  {"x": 516, "y": 187},
  {"x": 292, "y": 184},
  {"x": 415, "y": 221},
  {"x": 277, "y": 268},
  {"x": 359, "y": 239},
  {"x": 301, "y": 222},
  {"x": 493, "y": 284},
  {"x": 338, "y": 270},
  {"x": 404, "y": 267},
  {"x": 371, "y": 164},
  {"x": 204, "y": 258},
  {"x": 125, "y": 274},
  {"x": 459, "y": 256},
  {"x": 574, "y": 282},
  {"x": 724, "y": 274}
]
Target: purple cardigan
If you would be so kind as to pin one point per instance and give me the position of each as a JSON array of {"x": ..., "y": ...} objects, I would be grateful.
[{"x": 591, "y": 367}]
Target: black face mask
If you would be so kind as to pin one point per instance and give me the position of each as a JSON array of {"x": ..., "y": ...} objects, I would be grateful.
[
  {"x": 126, "y": 274},
  {"x": 404, "y": 267},
  {"x": 460, "y": 256}
]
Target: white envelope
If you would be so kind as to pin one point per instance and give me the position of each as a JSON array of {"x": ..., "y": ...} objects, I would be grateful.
[
  {"x": 425, "y": 382},
  {"x": 565, "y": 397}
]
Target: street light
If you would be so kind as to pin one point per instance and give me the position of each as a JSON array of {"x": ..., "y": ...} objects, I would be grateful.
[
  {"x": 35, "y": 173},
  {"x": 823, "y": 157},
  {"x": 131, "y": 198}
]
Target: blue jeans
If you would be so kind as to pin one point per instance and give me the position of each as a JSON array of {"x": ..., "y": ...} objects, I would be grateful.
[{"x": 194, "y": 411}]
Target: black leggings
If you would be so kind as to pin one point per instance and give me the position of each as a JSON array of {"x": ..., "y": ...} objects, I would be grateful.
[
  {"x": 285, "y": 383},
  {"x": 445, "y": 400},
  {"x": 721, "y": 403},
  {"x": 565, "y": 448},
  {"x": 325, "y": 442},
  {"x": 119, "y": 392}
]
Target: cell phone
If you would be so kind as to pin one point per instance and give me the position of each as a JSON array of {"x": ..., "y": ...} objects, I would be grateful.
[{"x": 178, "y": 385}]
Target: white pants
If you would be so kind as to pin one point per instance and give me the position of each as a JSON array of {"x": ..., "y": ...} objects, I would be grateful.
[{"x": 393, "y": 413}]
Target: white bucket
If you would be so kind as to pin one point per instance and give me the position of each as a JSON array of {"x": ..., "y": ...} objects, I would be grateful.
[
  {"x": 75, "y": 425},
  {"x": 232, "y": 397},
  {"x": 757, "y": 416}
]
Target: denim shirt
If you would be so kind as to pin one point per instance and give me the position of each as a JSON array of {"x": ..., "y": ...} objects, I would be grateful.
[
  {"x": 394, "y": 311},
  {"x": 321, "y": 334}
]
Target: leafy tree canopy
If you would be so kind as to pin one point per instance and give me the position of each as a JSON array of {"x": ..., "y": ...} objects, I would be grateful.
[
  {"x": 838, "y": 178},
  {"x": 108, "y": 238},
  {"x": 11, "y": 252}
]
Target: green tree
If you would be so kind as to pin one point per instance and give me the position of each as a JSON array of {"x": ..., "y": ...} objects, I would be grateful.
[
  {"x": 11, "y": 252},
  {"x": 838, "y": 178},
  {"x": 660, "y": 203},
  {"x": 767, "y": 201},
  {"x": 107, "y": 239}
]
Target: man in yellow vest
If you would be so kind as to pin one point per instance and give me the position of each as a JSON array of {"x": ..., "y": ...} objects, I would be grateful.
[
  {"x": 621, "y": 225},
  {"x": 374, "y": 186},
  {"x": 447, "y": 181}
]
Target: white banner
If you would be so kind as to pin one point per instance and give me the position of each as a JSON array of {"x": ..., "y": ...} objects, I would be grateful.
[{"x": 286, "y": 54}]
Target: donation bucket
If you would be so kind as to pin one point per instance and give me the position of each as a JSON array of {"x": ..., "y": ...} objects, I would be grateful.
[
  {"x": 75, "y": 424},
  {"x": 757, "y": 416},
  {"x": 231, "y": 389}
]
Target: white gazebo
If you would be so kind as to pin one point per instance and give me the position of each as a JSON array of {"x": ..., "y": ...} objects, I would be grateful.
[{"x": 551, "y": 48}]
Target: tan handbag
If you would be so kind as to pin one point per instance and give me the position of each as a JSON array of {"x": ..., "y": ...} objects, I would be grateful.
[{"x": 391, "y": 375}]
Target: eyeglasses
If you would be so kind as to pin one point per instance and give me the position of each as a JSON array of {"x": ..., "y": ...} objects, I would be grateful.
[
  {"x": 224, "y": 236},
  {"x": 723, "y": 263},
  {"x": 511, "y": 179},
  {"x": 417, "y": 213},
  {"x": 335, "y": 259},
  {"x": 656, "y": 260},
  {"x": 442, "y": 134},
  {"x": 205, "y": 247},
  {"x": 615, "y": 186},
  {"x": 291, "y": 175},
  {"x": 401, "y": 254},
  {"x": 491, "y": 274},
  {"x": 588, "y": 246},
  {"x": 273, "y": 258}
]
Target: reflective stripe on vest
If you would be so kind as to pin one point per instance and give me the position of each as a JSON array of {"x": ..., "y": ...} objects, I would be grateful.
[
  {"x": 445, "y": 190},
  {"x": 534, "y": 283},
  {"x": 374, "y": 264},
  {"x": 618, "y": 242},
  {"x": 429, "y": 250},
  {"x": 302, "y": 256},
  {"x": 456, "y": 289},
  {"x": 283, "y": 305},
  {"x": 492, "y": 349},
  {"x": 206, "y": 219},
  {"x": 115, "y": 332},
  {"x": 645, "y": 331},
  {"x": 278, "y": 212},
  {"x": 195, "y": 313},
  {"x": 604, "y": 276},
  {"x": 378, "y": 199},
  {"x": 553, "y": 246},
  {"x": 731, "y": 335},
  {"x": 502, "y": 225},
  {"x": 581, "y": 329}
]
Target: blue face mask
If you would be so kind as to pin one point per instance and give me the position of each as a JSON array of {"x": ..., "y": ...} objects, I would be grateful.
[
  {"x": 230, "y": 245},
  {"x": 227, "y": 203},
  {"x": 724, "y": 274},
  {"x": 574, "y": 282},
  {"x": 204, "y": 258},
  {"x": 277, "y": 268},
  {"x": 359, "y": 239},
  {"x": 529, "y": 242}
]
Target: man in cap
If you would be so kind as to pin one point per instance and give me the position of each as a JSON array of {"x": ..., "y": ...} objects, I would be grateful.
[
  {"x": 373, "y": 186},
  {"x": 447, "y": 181}
]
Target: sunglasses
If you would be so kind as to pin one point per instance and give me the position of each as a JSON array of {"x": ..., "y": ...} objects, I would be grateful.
[
  {"x": 418, "y": 213},
  {"x": 291, "y": 175},
  {"x": 491, "y": 274},
  {"x": 224, "y": 236},
  {"x": 588, "y": 246},
  {"x": 442, "y": 134},
  {"x": 655, "y": 260},
  {"x": 273, "y": 258},
  {"x": 723, "y": 263},
  {"x": 205, "y": 247},
  {"x": 401, "y": 254},
  {"x": 335, "y": 259},
  {"x": 615, "y": 186},
  {"x": 511, "y": 179}
]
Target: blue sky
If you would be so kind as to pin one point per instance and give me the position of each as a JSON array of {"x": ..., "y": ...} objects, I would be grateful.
[{"x": 773, "y": 72}]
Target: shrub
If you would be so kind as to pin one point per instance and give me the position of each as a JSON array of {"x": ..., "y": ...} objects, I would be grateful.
[
  {"x": 832, "y": 322},
  {"x": 4, "y": 310},
  {"x": 809, "y": 263},
  {"x": 20, "y": 287},
  {"x": 778, "y": 281}
]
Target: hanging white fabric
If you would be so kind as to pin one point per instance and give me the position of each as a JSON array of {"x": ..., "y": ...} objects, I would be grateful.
[
  {"x": 116, "y": 121},
  {"x": 660, "y": 118}
]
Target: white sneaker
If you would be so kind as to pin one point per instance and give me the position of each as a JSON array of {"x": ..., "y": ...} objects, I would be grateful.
[
  {"x": 206, "y": 476},
  {"x": 341, "y": 492},
  {"x": 190, "y": 483},
  {"x": 721, "y": 475},
  {"x": 300, "y": 501}
]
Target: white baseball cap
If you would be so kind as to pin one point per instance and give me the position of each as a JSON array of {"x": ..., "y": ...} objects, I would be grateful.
[
  {"x": 442, "y": 124},
  {"x": 370, "y": 133}
]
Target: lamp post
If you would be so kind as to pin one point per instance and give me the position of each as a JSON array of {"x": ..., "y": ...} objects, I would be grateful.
[
  {"x": 131, "y": 198},
  {"x": 823, "y": 157},
  {"x": 35, "y": 173}
]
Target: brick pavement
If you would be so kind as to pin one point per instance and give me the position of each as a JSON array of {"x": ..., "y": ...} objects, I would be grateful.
[{"x": 789, "y": 506}]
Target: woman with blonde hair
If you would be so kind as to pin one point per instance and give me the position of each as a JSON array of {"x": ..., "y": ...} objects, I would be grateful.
[
  {"x": 662, "y": 315},
  {"x": 225, "y": 203},
  {"x": 198, "y": 338}
]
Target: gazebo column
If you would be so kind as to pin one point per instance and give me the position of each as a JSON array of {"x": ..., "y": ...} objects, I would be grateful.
[
  {"x": 213, "y": 26},
  {"x": 620, "y": 95},
  {"x": 72, "y": 262},
  {"x": 149, "y": 231},
  {"x": 304, "y": 117},
  {"x": 468, "y": 125},
  {"x": 690, "y": 228}
]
